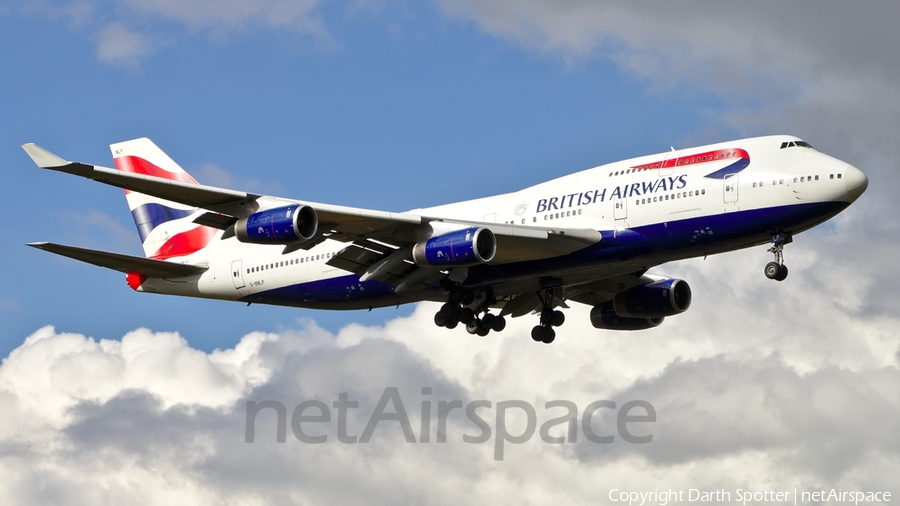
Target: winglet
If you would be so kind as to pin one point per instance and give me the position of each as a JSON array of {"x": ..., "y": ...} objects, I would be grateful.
[{"x": 43, "y": 158}]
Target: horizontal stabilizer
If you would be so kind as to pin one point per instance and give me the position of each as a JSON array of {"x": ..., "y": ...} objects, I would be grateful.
[{"x": 122, "y": 263}]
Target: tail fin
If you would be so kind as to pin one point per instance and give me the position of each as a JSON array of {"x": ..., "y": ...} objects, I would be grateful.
[{"x": 167, "y": 229}]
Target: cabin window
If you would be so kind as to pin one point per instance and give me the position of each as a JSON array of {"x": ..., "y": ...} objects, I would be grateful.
[
  {"x": 839, "y": 176},
  {"x": 703, "y": 192},
  {"x": 817, "y": 177}
]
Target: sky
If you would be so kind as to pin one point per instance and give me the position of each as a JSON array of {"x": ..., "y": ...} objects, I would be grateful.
[{"x": 114, "y": 396}]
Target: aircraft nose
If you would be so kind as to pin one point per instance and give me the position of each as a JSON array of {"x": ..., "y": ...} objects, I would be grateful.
[{"x": 855, "y": 181}]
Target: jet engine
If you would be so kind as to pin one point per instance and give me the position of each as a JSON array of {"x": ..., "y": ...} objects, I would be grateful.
[
  {"x": 604, "y": 317},
  {"x": 658, "y": 299},
  {"x": 282, "y": 225},
  {"x": 460, "y": 248}
]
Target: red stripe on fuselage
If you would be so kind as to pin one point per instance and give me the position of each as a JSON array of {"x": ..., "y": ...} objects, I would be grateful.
[
  {"x": 709, "y": 156},
  {"x": 185, "y": 243}
]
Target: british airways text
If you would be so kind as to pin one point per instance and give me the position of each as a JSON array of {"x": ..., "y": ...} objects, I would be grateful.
[{"x": 624, "y": 191}]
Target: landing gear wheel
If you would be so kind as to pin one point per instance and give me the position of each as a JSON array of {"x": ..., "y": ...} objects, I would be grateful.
[
  {"x": 451, "y": 324},
  {"x": 547, "y": 335},
  {"x": 439, "y": 319},
  {"x": 777, "y": 270},
  {"x": 488, "y": 320},
  {"x": 558, "y": 318},
  {"x": 782, "y": 274},
  {"x": 536, "y": 333},
  {"x": 473, "y": 326},
  {"x": 499, "y": 324},
  {"x": 466, "y": 315},
  {"x": 483, "y": 330}
]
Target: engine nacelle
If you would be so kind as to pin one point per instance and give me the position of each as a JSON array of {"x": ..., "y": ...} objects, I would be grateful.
[
  {"x": 604, "y": 317},
  {"x": 460, "y": 248},
  {"x": 654, "y": 300},
  {"x": 282, "y": 225}
]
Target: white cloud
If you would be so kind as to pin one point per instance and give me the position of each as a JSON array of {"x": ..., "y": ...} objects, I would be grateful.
[
  {"x": 120, "y": 46},
  {"x": 148, "y": 419}
]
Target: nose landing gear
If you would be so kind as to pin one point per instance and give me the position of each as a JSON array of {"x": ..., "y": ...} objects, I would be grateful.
[{"x": 777, "y": 270}]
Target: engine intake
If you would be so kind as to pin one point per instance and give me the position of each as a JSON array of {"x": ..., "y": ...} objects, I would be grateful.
[
  {"x": 460, "y": 248},
  {"x": 654, "y": 300},
  {"x": 604, "y": 317},
  {"x": 282, "y": 225}
]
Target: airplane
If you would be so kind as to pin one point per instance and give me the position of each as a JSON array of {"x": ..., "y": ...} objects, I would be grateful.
[{"x": 589, "y": 237}]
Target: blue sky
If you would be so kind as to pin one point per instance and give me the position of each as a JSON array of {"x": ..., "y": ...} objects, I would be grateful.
[
  {"x": 396, "y": 108},
  {"x": 111, "y": 396}
]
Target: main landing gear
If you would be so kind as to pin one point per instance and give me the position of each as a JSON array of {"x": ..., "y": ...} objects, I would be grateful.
[
  {"x": 456, "y": 311},
  {"x": 550, "y": 318},
  {"x": 777, "y": 270}
]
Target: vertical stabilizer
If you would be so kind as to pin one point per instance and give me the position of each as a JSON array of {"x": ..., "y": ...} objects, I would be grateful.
[{"x": 166, "y": 228}]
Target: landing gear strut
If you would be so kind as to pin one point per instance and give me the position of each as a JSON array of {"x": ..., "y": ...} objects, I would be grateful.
[
  {"x": 777, "y": 270},
  {"x": 456, "y": 311},
  {"x": 550, "y": 318}
]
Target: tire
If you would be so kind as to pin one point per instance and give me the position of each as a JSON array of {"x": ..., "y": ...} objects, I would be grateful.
[
  {"x": 473, "y": 326},
  {"x": 772, "y": 270},
  {"x": 782, "y": 274},
  {"x": 466, "y": 315},
  {"x": 536, "y": 333},
  {"x": 456, "y": 294},
  {"x": 451, "y": 324},
  {"x": 558, "y": 318},
  {"x": 488, "y": 320},
  {"x": 439, "y": 319},
  {"x": 548, "y": 335},
  {"x": 468, "y": 297},
  {"x": 499, "y": 324},
  {"x": 483, "y": 330}
]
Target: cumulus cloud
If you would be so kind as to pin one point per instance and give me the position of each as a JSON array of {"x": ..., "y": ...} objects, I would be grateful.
[{"x": 147, "y": 418}]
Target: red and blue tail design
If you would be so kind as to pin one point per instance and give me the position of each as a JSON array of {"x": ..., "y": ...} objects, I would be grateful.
[{"x": 167, "y": 229}]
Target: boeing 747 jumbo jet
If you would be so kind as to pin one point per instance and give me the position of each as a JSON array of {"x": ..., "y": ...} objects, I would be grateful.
[{"x": 588, "y": 237}]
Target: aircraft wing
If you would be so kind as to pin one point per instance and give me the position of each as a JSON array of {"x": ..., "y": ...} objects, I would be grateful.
[
  {"x": 122, "y": 263},
  {"x": 347, "y": 221},
  {"x": 515, "y": 243}
]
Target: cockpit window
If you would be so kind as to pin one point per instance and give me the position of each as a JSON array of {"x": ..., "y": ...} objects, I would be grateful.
[{"x": 799, "y": 144}]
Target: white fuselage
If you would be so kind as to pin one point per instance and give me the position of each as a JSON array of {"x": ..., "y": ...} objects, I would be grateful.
[{"x": 641, "y": 194}]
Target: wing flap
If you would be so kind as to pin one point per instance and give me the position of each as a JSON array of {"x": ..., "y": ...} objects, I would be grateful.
[{"x": 122, "y": 263}]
